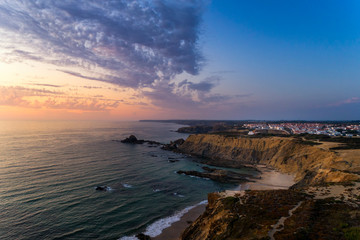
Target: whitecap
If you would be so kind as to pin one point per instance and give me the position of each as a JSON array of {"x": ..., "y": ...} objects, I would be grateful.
[
  {"x": 157, "y": 227},
  {"x": 128, "y": 238},
  {"x": 127, "y": 185}
]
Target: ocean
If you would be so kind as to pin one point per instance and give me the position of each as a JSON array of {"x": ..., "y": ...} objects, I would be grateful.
[{"x": 49, "y": 171}]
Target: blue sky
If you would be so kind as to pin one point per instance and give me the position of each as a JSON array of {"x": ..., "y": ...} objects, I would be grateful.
[
  {"x": 195, "y": 59},
  {"x": 299, "y": 59}
]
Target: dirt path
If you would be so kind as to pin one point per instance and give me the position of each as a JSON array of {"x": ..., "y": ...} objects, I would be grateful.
[{"x": 279, "y": 226}]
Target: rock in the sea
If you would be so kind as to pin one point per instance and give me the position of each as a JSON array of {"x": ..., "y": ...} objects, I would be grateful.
[
  {"x": 102, "y": 188},
  {"x": 142, "y": 236},
  {"x": 218, "y": 175},
  {"x": 173, "y": 160},
  {"x": 173, "y": 145},
  {"x": 133, "y": 140}
]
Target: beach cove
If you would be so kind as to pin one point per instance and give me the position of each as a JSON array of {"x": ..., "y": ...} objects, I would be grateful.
[{"x": 270, "y": 179}]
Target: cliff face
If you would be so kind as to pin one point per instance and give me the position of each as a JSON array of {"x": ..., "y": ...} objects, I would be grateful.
[
  {"x": 242, "y": 216},
  {"x": 274, "y": 214},
  {"x": 309, "y": 164},
  {"x": 277, "y": 214}
]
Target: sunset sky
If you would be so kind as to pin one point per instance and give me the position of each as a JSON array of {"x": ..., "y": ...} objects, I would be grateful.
[{"x": 130, "y": 60}]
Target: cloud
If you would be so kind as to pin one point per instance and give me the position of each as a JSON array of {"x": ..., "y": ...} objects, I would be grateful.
[
  {"x": 22, "y": 97},
  {"x": 347, "y": 101},
  {"x": 84, "y": 104},
  {"x": 45, "y": 85},
  {"x": 191, "y": 96},
  {"x": 203, "y": 86},
  {"x": 92, "y": 87},
  {"x": 128, "y": 43}
]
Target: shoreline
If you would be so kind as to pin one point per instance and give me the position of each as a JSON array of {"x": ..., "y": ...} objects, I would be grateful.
[
  {"x": 270, "y": 179},
  {"x": 176, "y": 229}
]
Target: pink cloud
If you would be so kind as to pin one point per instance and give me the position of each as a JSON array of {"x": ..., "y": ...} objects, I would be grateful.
[
  {"x": 19, "y": 96},
  {"x": 347, "y": 101}
]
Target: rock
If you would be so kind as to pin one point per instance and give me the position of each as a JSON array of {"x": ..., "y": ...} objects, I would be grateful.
[
  {"x": 173, "y": 160},
  {"x": 218, "y": 175},
  {"x": 173, "y": 145},
  {"x": 102, "y": 188},
  {"x": 132, "y": 140},
  {"x": 142, "y": 236},
  {"x": 179, "y": 141}
]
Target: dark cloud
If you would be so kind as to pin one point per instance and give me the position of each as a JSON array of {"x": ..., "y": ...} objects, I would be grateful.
[
  {"x": 129, "y": 43},
  {"x": 203, "y": 86}
]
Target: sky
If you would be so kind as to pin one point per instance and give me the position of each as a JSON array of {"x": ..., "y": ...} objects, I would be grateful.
[{"x": 179, "y": 59}]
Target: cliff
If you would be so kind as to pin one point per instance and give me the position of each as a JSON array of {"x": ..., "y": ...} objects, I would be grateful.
[
  {"x": 311, "y": 209},
  {"x": 309, "y": 164},
  {"x": 274, "y": 214}
]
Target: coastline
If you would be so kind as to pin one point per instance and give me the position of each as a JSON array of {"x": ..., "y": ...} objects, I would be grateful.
[
  {"x": 270, "y": 179},
  {"x": 175, "y": 230}
]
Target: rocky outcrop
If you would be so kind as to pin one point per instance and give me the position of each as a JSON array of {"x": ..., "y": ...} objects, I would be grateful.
[
  {"x": 142, "y": 236},
  {"x": 219, "y": 175},
  {"x": 307, "y": 163},
  {"x": 102, "y": 188},
  {"x": 133, "y": 140},
  {"x": 173, "y": 145}
]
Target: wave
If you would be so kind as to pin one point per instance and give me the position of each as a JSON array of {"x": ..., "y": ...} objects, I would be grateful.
[
  {"x": 179, "y": 195},
  {"x": 125, "y": 185},
  {"x": 156, "y": 228}
]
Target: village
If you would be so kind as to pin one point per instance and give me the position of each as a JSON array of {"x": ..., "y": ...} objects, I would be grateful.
[{"x": 328, "y": 129}]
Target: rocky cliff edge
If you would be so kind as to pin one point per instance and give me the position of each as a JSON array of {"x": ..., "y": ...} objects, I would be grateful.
[{"x": 309, "y": 164}]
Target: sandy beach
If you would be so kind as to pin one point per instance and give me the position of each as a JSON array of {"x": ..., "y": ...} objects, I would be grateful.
[
  {"x": 174, "y": 231},
  {"x": 270, "y": 179}
]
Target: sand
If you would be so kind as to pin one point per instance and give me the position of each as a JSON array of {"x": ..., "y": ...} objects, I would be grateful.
[
  {"x": 270, "y": 179},
  {"x": 174, "y": 231},
  {"x": 349, "y": 194}
]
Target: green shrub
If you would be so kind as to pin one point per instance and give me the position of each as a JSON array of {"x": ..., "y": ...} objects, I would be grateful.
[{"x": 352, "y": 233}]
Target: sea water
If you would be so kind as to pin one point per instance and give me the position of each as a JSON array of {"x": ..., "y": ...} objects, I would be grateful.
[{"x": 49, "y": 171}]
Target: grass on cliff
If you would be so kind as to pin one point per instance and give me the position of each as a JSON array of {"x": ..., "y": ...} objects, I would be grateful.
[
  {"x": 352, "y": 233},
  {"x": 322, "y": 219}
]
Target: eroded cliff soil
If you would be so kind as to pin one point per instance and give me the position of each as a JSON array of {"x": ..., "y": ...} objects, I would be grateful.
[{"x": 309, "y": 164}]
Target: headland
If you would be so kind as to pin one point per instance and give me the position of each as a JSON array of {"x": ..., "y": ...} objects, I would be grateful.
[{"x": 308, "y": 188}]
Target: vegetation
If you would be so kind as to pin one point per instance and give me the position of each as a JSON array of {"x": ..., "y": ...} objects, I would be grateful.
[{"x": 352, "y": 233}]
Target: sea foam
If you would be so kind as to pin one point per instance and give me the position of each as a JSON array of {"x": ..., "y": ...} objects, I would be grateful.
[
  {"x": 125, "y": 185},
  {"x": 157, "y": 227}
]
